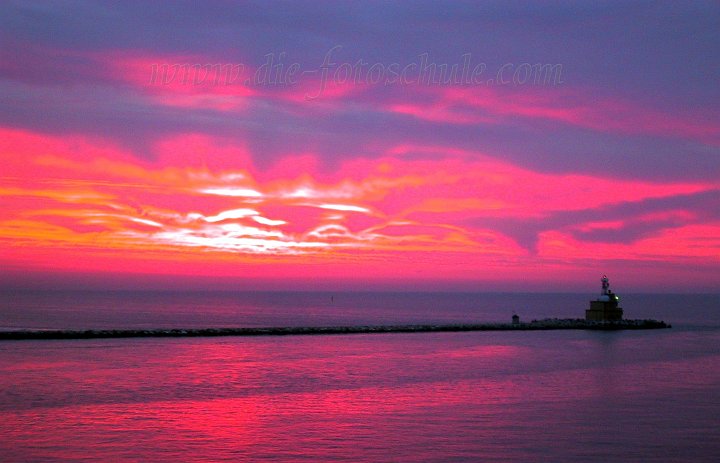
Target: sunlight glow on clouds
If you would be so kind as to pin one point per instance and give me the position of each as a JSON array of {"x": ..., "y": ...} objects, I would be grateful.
[
  {"x": 242, "y": 192},
  {"x": 126, "y": 151},
  {"x": 472, "y": 206}
]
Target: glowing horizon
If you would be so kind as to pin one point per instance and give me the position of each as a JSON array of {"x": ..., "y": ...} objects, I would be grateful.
[{"x": 107, "y": 171}]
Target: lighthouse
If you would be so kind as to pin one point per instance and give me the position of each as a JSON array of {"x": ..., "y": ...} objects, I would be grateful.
[{"x": 605, "y": 307}]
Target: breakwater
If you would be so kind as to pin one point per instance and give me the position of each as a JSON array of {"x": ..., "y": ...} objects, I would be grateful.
[{"x": 547, "y": 324}]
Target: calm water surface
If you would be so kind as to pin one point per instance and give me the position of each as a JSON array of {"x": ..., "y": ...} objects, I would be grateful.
[{"x": 422, "y": 397}]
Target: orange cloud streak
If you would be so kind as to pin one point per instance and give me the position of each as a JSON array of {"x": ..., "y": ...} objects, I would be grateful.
[{"x": 78, "y": 204}]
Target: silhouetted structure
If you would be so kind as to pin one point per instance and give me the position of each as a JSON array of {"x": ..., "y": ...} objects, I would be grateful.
[{"x": 605, "y": 307}]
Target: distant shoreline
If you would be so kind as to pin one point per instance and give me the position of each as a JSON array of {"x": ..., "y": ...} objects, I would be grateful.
[{"x": 535, "y": 325}]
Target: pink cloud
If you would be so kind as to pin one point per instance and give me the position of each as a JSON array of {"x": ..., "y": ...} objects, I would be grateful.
[
  {"x": 491, "y": 105},
  {"x": 201, "y": 204}
]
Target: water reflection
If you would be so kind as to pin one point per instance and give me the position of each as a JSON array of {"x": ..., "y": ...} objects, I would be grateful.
[{"x": 402, "y": 397}]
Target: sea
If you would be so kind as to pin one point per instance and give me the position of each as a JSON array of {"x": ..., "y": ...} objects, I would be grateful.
[{"x": 505, "y": 396}]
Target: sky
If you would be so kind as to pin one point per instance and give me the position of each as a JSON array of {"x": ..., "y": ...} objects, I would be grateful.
[{"x": 490, "y": 145}]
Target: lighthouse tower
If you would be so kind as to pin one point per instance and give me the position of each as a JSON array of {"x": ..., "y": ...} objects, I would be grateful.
[{"x": 605, "y": 307}]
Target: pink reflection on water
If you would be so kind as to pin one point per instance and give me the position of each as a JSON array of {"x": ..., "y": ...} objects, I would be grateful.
[{"x": 434, "y": 397}]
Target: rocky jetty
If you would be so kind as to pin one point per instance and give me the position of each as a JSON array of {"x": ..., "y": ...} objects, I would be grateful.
[{"x": 546, "y": 324}]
